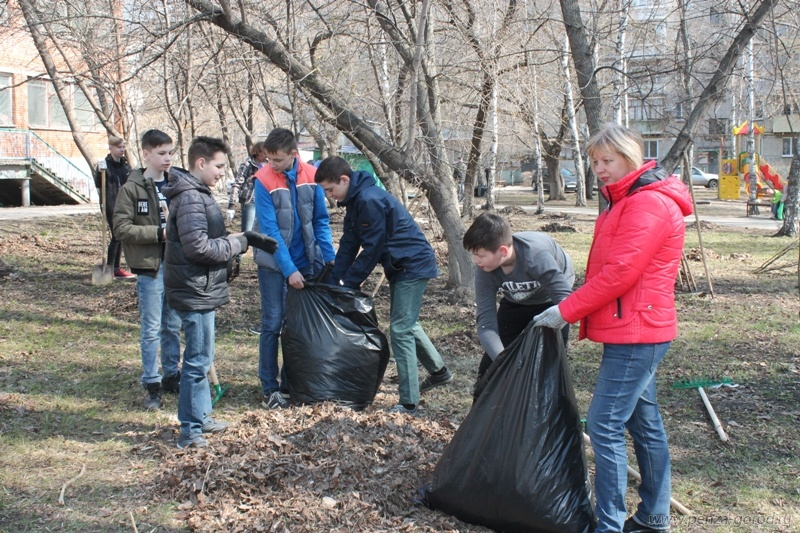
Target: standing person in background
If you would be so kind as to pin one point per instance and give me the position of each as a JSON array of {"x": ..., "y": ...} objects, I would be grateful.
[
  {"x": 195, "y": 277},
  {"x": 244, "y": 187},
  {"x": 379, "y": 229},
  {"x": 290, "y": 208},
  {"x": 117, "y": 171},
  {"x": 628, "y": 303},
  {"x": 140, "y": 221}
]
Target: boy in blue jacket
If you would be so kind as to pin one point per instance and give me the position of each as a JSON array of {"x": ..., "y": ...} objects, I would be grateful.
[{"x": 377, "y": 223}]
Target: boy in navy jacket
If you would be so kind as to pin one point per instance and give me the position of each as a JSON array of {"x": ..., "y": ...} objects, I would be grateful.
[{"x": 377, "y": 223}]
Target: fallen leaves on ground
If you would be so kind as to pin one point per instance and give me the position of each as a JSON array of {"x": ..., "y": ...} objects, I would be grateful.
[{"x": 308, "y": 469}]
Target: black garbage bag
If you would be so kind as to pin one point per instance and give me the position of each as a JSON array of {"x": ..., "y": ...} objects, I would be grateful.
[
  {"x": 517, "y": 463},
  {"x": 332, "y": 347}
]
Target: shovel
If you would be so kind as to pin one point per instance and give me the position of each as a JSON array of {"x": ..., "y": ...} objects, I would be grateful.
[{"x": 103, "y": 274}]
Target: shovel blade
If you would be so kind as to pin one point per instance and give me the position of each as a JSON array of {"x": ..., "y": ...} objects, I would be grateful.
[{"x": 102, "y": 275}]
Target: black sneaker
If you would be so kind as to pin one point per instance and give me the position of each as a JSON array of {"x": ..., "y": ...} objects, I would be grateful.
[
  {"x": 402, "y": 409},
  {"x": 192, "y": 441},
  {"x": 632, "y": 526},
  {"x": 436, "y": 380},
  {"x": 274, "y": 400},
  {"x": 153, "y": 400},
  {"x": 214, "y": 426},
  {"x": 172, "y": 384}
]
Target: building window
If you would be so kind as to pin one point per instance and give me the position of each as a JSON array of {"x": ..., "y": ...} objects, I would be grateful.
[
  {"x": 650, "y": 109},
  {"x": 6, "y": 102},
  {"x": 715, "y": 16},
  {"x": 651, "y": 149},
  {"x": 37, "y": 103},
  {"x": 83, "y": 110},
  {"x": 718, "y": 126},
  {"x": 789, "y": 146},
  {"x": 45, "y": 109}
]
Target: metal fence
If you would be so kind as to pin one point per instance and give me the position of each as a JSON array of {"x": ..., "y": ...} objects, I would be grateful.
[{"x": 26, "y": 145}]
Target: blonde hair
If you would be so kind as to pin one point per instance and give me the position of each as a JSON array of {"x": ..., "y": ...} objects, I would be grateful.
[
  {"x": 616, "y": 138},
  {"x": 113, "y": 140}
]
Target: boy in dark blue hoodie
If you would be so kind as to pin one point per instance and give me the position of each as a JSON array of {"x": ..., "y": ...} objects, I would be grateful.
[{"x": 378, "y": 224}]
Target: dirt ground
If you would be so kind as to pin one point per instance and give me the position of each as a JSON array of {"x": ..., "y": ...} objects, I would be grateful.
[{"x": 325, "y": 468}]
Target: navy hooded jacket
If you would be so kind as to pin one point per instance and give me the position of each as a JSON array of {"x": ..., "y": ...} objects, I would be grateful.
[{"x": 381, "y": 226}]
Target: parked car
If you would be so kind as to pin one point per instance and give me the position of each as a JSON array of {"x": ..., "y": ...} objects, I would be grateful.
[
  {"x": 569, "y": 177},
  {"x": 570, "y": 180},
  {"x": 700, "y": 178}
]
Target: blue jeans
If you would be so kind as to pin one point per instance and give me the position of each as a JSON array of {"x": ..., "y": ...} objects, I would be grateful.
[
  {"x": 625, "y": 397},
  {"x": 160, "y": 327},
  {"x": 248, "y": 216},
  {"x": 408, "y": 340},
  {"x": 194, "y": 399},
  {"x": 272, "y": 286}
]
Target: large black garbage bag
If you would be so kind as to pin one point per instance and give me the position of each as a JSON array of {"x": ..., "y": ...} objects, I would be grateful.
[
  {"x": 517, "y": 463},
  {"x": 332, "y": 347}
]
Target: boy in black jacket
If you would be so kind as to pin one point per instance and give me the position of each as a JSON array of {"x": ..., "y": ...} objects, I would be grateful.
[
  {"x": 195, "y": 277},
  {"x": 116, "y": 173}
]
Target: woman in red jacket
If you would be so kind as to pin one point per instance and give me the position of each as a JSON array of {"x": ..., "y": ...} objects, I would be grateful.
[{"x": 627, "y": 303}]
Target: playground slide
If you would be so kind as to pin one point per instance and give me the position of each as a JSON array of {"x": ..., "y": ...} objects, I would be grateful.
[
  {"x": 766, "y": 176},
  {"x": 773, "y": 179}
]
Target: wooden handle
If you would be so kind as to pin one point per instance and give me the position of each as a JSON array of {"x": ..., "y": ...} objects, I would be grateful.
[
  {"x": 721, "y": 432},
  {"x": 212, "y": 375}
]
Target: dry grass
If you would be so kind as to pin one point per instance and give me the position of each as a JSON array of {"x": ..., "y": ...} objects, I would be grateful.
[{"x": 69, "y": 393}]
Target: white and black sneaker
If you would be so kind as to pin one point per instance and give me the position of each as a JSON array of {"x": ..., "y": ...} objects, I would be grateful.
[{"x": 274, "y": 400}]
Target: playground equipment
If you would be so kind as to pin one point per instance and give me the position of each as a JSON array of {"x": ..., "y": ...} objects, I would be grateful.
[{"x": 735, "y": 171}]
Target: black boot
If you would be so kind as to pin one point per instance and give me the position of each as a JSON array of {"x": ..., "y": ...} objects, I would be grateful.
[
  {"x": 172, "y": 384},
  {"x": 153, "y": 400}
]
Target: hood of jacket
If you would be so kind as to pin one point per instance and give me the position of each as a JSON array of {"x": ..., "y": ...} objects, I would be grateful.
[
  {"x": 359, "y": 181},
  {"x": 649, "y": 177},
  {"x": 181, "y": 180}
]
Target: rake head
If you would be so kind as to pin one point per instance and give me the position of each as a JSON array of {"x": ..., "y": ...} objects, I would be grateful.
[
  {"x": 701, "y": 382},
  {"x": 219, "y": 392}
]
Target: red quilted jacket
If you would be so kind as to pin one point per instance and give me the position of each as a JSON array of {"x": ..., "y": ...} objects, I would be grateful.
[{"x": 629, "y": 293}]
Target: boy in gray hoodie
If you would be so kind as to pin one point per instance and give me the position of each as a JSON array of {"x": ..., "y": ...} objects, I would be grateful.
[{"x": 529, "y": 270}]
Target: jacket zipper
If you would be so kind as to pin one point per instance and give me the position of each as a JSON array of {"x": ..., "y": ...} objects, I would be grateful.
[{"x": 619, "y": 307}]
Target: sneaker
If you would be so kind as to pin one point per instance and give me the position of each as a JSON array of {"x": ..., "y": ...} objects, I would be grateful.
[
  {"x": 192, "y": 441},
  {"x": 171, "y": 384},
  {"x": 436, "y": 380},
  {"x": 274, "y": 400},
  {"x": 153, "y": 400},
  {"x": 121, "y": 273},
  {"x": 632, "y": 526},
  {"x": 400, "y": 408},
  {"x": 214, "y": 426}
]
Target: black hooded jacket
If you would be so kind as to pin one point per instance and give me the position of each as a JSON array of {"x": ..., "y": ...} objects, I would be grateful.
[{"x": 198, "y": 246}]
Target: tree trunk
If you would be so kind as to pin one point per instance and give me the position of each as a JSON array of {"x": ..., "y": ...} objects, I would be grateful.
[
  {"x": 537, "y": 144},
  {"x": 791, "y": 198},
  {"x": 491, "y": 182},
  {"x": 580, "y": 195},
  {"x": 583, "y": 59}
]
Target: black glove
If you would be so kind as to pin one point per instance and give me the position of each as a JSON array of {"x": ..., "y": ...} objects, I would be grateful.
[
  {"x": 325, "y": 274},
  {"x": 233, "y": 268},
  {"x": 261, "y": 241}
]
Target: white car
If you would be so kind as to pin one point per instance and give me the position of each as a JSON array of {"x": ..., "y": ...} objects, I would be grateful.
[{"x": 700, "y": 178}]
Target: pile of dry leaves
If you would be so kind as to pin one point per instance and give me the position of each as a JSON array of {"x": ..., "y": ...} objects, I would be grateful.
[{"x": 309, "y": 469}]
